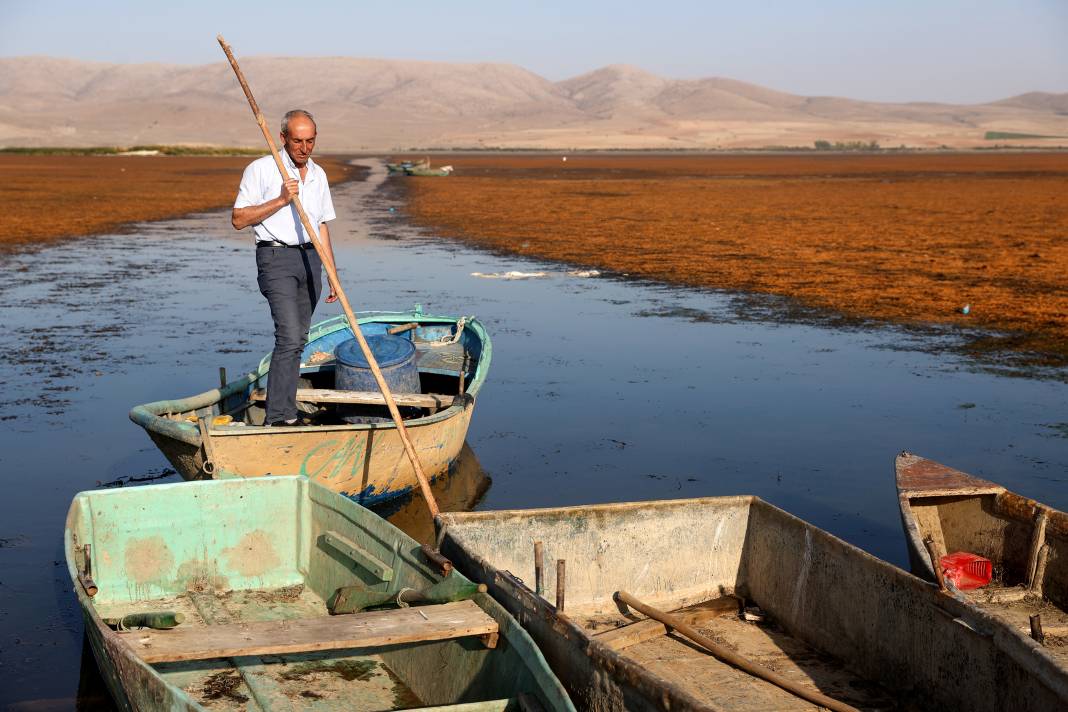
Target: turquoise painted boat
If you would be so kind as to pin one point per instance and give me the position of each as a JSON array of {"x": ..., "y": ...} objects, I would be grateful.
[
  {"x": 220, "y": 433},
  {"x": 233, "y": 595}
]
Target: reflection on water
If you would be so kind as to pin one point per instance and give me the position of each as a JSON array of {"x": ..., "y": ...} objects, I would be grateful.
[
  {"x": 601, "y": 389},
  {"x": 460, "y": 491}
]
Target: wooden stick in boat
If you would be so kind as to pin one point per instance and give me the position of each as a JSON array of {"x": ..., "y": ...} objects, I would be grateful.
[
  {"x": 1038, "y": 539},
  {"x": 560, "y": 573},
  {"x": 732, "y": 658},
  {"x": 394, "y": 330},
  {"x": 1040, "y": 571},
  {"x": 539, "y": 568},
  {"x": 463, "y": 373},
  {"x": 335, "y": 284},
  {"x": 936, "y": 562},
  {"x": 1036, "y": 628}
]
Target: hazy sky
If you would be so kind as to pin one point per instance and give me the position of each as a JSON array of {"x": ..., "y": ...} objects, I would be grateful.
[{"x": 892, "y": 50}]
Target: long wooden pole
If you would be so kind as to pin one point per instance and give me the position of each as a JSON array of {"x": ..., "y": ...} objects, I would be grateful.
[
  {"x": 732, "y": 658},
  {"x": 335, "y": 284}
]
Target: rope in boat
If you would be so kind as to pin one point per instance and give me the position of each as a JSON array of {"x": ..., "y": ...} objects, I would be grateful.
[{"x": 455, "y": 337}]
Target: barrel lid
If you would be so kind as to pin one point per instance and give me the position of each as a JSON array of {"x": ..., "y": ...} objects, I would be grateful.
[{"x": 388, "y": 350}]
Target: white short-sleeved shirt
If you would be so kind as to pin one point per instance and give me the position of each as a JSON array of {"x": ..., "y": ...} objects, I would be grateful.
[{"x": 262, "y": 182}]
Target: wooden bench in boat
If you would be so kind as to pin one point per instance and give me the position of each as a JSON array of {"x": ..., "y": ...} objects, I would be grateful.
[
  {"x": 647, "y": 629},
  {"x": 325, "y": 395},
  {"x": 360, "y": 630}
]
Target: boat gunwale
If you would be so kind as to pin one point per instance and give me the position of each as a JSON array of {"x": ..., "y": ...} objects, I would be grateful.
[{"x": 149, "y": 415}]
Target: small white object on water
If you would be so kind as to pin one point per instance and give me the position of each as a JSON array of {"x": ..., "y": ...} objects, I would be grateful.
[
  {"x": 965, "y": 309},
  {"x": 564, "y": 159},
  {"x": 513, "y": 274},
  {"x": 584, "y": 273}
]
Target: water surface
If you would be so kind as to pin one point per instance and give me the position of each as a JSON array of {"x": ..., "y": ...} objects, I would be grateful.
[{"x": 601, "y": 389}]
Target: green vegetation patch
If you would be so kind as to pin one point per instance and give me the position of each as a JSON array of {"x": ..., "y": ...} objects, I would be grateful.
[{"x": 1009, "y": 135}]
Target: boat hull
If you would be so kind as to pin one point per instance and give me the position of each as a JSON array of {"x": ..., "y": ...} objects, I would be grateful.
[
  {"x": 366, "y": 462},
  {"x": 886, "y": 625},
  {"x": 369, "y": 466},
  {"x": 958, "y": 512},
  {"x": 273, "y": 566}
]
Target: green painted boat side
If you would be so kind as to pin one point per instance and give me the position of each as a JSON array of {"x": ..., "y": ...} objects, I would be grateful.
[
  {"x": 259, "y": 550},
  {"x": 889, "y": 639},
  {"x": 364, "y": 461}
]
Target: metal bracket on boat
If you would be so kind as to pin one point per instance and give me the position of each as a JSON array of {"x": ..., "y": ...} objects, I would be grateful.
[
  {"x": 205, "y": 440},
  {"x": 85, "y": 576},
  {"x": 434, "y": 557}
]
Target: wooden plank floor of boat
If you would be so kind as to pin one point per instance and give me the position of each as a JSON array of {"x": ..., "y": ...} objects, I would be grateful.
[
  {"x": 1017, "y": 611},
  {"x": 323, "y": 680},
  {"x": 692, "y": 668}
]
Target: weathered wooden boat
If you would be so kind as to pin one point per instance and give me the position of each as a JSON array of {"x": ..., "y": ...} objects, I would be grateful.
[
  {"x": 1026, "y": 542},
  {"x": 234, "y": 595},
  {"x": 427, "y": 171},
  {"x": 220, "y": 433},
  {"x": 828, "y": 616}
]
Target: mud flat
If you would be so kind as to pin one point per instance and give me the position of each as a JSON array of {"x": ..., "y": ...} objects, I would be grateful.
[
  {"x": 53, "y": 197},
  {"x": 909, "y": 238}
]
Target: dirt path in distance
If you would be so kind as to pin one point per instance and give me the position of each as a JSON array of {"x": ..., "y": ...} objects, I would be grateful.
[
  {"x": 47, "y": 198},
  {"x": 910, "y": 238}
]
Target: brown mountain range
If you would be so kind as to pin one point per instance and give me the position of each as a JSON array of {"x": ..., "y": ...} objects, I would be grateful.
[{"x": 376, "y": 104}]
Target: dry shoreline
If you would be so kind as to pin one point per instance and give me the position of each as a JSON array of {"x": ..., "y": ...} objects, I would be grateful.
[
  {"x": 904, "y": 238},
  {"x": 54, "y": 197}
]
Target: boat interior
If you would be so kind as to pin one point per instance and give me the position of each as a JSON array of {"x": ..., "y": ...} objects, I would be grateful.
[
  {"x": 746, "y": 575},
  {"x": 255, "y": 569},
  {"x": 447, "y": 357},
  {"x": 1026, "y": 542}
]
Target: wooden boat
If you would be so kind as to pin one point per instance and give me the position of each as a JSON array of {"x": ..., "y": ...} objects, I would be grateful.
[
  {"x": 364, "y": 461},
  {"x": 234, "y": 583},
  {"x": 830, "y": 617},
  {"x": 427, "y": 171},
  {"x": 1027, "y": 543}
]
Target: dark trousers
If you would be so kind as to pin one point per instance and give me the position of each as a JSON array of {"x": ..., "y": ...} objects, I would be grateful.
[{"x": 292, "y": 280}]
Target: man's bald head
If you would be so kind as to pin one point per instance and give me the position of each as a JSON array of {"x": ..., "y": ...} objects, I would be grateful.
[{"x": 296, "y": 114}]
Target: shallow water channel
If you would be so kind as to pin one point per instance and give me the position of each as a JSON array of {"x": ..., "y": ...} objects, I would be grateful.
[{"x": 601, "y": 389}]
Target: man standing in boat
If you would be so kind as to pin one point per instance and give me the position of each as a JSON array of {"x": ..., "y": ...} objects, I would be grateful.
[{"x": 289, "y": 271}]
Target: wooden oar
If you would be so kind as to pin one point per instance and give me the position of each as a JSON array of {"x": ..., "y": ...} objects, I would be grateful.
[
  {"x": 335, "y": 284},
  {"x": 732, "y": 658}
]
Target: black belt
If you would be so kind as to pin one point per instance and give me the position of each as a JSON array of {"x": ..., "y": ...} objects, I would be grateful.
[{"x": 279, "y": 245}]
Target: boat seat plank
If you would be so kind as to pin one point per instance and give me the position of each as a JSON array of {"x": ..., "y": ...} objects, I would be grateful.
[
  {"x": 920, "y": 477},
  {"x": 326, "y": 395},
  {"x": 634, "y": 633},
  {"x": 362, "y": 630},
  {"x": 487, "y": 706}
]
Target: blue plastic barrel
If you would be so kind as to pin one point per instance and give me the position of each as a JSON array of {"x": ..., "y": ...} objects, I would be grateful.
[{"x": 396, "y": 359}]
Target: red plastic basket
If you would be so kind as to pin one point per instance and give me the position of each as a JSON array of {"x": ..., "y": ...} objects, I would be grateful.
[{"x": 967, "y": 570}]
